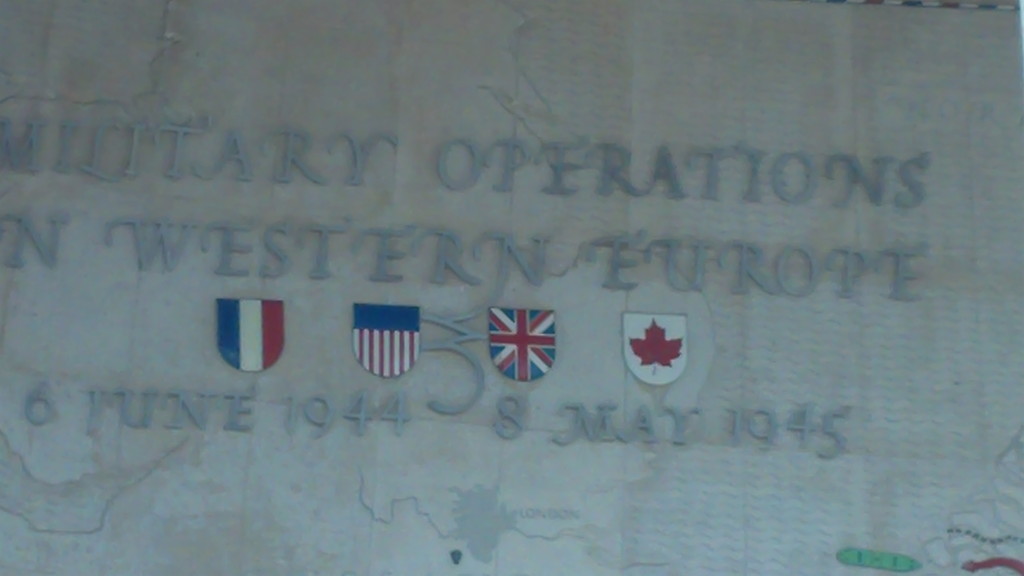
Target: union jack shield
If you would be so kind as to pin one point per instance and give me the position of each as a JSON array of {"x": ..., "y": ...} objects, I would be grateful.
[
  {"x": 250, "y": 332},
  {"x": 385, "y": 338},
  {"x": 522, "y": 342}
]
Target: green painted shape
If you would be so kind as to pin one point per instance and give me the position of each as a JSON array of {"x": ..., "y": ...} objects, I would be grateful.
[{"x": 877, "y": 560}]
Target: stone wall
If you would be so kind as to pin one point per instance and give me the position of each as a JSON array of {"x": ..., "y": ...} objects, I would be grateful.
[{"x": 510, "y": 288}]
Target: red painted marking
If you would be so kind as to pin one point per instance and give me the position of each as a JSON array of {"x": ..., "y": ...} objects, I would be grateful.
[
  {"x": 499, "y": 320},
  {"x": 371, "y": 350},
  {"x": 999, "y": 562},
  {"x": 394, "y": 370},
  {"x": 273, "y": 331},
  {"x": 504, "y": 364},
  {"x": 522, "y": 339},
  {"x": 385, "y": 350},
  {"x": 543, "y": 316},
  {"x": 543, "y": 356},
  {"x": 368, "y": 350},
  {"x": 402, "y": 364}
]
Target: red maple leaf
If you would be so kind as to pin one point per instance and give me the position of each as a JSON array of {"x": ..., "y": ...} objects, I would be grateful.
[{"x": 653, "y": 348}]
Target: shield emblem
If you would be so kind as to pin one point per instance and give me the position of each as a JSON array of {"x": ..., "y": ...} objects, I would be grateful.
[
  {"x": 386, "y": 338},
  {"x": 655, "y": 346},
  {"x": 522, "y": 342},
  {"x": 250, "y": 332}
]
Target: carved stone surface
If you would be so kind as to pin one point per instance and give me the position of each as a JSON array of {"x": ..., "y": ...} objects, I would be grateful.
[{"x": 825, "y": 199}]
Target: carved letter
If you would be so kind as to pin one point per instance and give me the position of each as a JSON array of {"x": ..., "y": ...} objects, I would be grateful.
[
  {"x": 642, "y": 428},
  {"x": 714, "y": 158},
  {"x": 93, "y": 167},
  {"x": 782, "y": 266},
  {"x": 671, "y": 246},
  {"x": 701, "y": 250},
  {"x": 810, "y": 178},
  {"x": 131, "y": 166},
  {"x": 580, "y": 422},
  {"x": 680, "y": 423},
  {"x": 237, "y": 409},
  {"x": 174, "y": 169},
  {"x": 295, "y": 146},
  {"x": 233, "y": 151},
  {"x": 67, "y": 131},
  {"x": 901, "y": 272},
  {"x": 853, "y": 264},
  {"x": 145, "y": 412},
  {"x": 320, "y": 270},
  {"x": 748, "y": 268},
  {"x": 596, "y": 427},
  {"x": 474, "y": 166},
  {"x": 514, "y": 157},
  {"x": 855, "y": 174},
  {"x": 914, "y": 195},
  {"x": 386, "y": 252},
  {"x": 361, "y": 152},
  {"x": 153, "y": 238},
  {"x": 193, "y": 405},
  {"x": 615, "y": 161},
  {"x": 229, "y": 246},
  {"x": 46, "y": 249},
  {"x": 534, "y": 270},
  {"x": 554, "y": 153},
  {"x": 96, "y": 402},
  {"x": 273, "y": 250},
  {"x": 617, "y": 261},
  {"x": 754, "y": 158},
  {"x": 449, "y": 256},
  {"x": 665, "y": 170},
  {"x": 20, "y": 157}
]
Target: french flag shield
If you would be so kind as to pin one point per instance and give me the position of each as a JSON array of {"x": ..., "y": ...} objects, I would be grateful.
[
  {"x": 386, "y": 338},
  {"x": 250, "y": 332}
]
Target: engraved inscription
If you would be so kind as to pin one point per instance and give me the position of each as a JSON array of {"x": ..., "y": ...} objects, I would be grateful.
[
  {"x": 117, "y": 150},
  {"x": 237, "y": 249},
  {"x": 319, "y": 415}
]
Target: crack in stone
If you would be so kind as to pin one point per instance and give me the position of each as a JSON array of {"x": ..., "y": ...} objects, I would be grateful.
[
  {"x": 394, "y": 502},
  {"x": 168, "y": 40},
  {"x": 583, "y": 252},
  {"x": 557, "y": 536},
  {"x": 56, "y": 508},
  {"x": 94, "y": 102},
  {"x": 520, "y": 111},
  {"x": 437, "y": 529},
  {"x": 633, "y": 565},
  {"x": 513, "y": 48},
  {"x": 22, "y": 571}
]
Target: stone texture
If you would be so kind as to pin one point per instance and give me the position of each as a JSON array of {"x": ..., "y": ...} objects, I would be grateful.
[{"x": 932, "y": 466}]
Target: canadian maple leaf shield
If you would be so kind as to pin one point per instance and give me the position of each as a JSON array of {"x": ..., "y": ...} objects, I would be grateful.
[{"x": 655, "y": 346}]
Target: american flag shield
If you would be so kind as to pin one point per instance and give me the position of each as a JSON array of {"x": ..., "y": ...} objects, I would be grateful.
[
  {"x": 386, "y": 338},
  {"x": 522, "y": 342}
]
